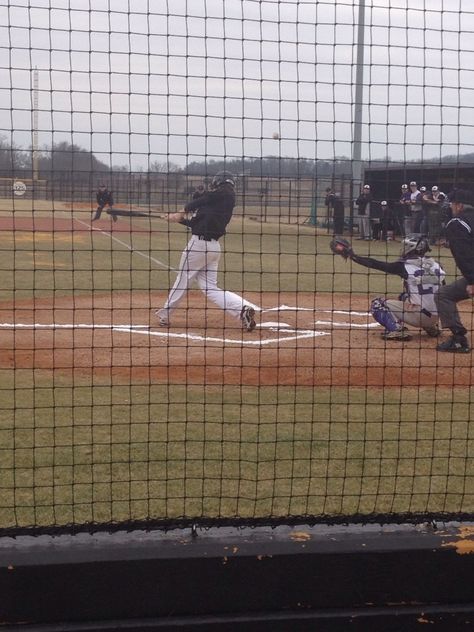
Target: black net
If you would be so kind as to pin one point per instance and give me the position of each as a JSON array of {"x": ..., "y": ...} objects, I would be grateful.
[{"x": 179, "y": 348}]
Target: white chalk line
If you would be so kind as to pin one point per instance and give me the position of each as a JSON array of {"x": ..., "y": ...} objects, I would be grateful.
[
  {"x": 289, "y": 308},
  {"x": 248, "y": 343},
  {"x": 144, "y": 330},
  {"x": 128, "y": 246},
  {"x": 333, "y": 323},
  {"x": 286, "y": 332}
]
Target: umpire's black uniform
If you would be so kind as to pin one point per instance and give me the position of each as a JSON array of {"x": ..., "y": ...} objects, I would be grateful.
[{"x": 460, "y": 236}]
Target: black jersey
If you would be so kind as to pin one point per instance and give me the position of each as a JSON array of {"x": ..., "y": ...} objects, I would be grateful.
[
  {"x": 104, "y": 197},
  {"x": 460, "y": 236},
  {"x": 212, "y": 211}
]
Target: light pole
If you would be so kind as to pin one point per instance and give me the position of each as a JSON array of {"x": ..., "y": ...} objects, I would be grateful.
[
  {"x": 34, "y": 156},
  {"x": 358, "y": 106}
]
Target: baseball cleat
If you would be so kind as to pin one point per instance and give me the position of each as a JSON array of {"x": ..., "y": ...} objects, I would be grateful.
[
  {"x": 400, "y": 334},
  {"x": 247, "y": 317},
  {"x": 163, "y": 319},
  {"x": 433, "y": 332},
  {"x": 455, "y": 344}
]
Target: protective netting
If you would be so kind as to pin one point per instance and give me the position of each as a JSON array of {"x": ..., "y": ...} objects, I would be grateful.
[{"x": 156, "y": 371}]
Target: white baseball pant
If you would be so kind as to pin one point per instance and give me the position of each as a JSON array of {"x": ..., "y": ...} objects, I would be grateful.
[{"x": 199, "y": 262}]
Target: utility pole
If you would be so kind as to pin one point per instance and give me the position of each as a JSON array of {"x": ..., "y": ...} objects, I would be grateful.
[
  {"x": 358, "y": 107},
  {"x": 35, "y": 125}
]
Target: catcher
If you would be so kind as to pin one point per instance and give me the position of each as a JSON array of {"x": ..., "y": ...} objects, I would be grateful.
[{"x": 422, "y": 277}]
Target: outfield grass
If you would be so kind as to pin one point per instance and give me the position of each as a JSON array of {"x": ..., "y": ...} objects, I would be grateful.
[
  {"x": 258, "y": 258},
  {"x": 74, "y": 453}
]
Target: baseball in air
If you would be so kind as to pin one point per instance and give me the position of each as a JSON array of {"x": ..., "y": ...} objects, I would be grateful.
[{"x": 275, "y": 135}]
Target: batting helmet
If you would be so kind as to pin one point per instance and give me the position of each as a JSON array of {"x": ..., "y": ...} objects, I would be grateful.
[
  {"x": 223, "y": 177},
  {"x": 415, "y": 245}
]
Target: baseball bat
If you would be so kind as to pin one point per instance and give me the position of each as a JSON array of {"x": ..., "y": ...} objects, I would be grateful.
[{"x": 129, "y": 213}]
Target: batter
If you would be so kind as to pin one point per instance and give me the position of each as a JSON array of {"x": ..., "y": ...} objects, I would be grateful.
[{"x": 211, "y": 212}]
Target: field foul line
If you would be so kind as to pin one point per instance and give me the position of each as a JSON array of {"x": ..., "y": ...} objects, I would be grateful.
[
  {"x": 128, "y": 246},
  {"x": 144, "y": 330},
  {"x": 289, "y": 308},
  {"x": 334, "y": 323}
]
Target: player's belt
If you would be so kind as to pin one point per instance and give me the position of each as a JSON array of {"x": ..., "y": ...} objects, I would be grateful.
[{"x": 205, "y": 238}]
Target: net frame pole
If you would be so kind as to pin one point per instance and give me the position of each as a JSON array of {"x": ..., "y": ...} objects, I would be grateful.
[
  {"x": 358, "y": 103},
  {"x": 34, "y": 158}
]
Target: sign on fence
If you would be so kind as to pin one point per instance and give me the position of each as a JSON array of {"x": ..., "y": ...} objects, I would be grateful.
[{"x": 19, "y": 187}]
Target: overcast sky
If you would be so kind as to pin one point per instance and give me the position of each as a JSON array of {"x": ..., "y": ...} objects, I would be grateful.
[{"x": 139, "y": 81}]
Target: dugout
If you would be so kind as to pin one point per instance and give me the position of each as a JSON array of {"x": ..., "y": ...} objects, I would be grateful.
[{"x": 385, "y": 182}]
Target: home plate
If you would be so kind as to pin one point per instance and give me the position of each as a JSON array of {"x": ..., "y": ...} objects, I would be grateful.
[{"x": 274, "y": 325}]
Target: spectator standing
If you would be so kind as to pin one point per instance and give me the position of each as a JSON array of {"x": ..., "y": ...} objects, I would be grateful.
[
  {"x": 434, "y": 203},
  {"x": 363, "y": 204},
  {"x": 387, "y": 222},
  {"x": 405, "y": 215},
  {"x": 446, "y": 215},
  {"x": 376, "y": 220},
  {"x": 424, "y": 210},
  {"x": 334, "y": 202},
  {"x": 416, "y": 207}
]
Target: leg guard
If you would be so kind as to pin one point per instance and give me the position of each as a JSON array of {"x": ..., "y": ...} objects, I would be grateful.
[{"x": 383, "y": 315}]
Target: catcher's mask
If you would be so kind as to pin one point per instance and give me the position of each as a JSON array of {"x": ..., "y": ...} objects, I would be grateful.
[
  {"x": 223, "y": 177},
  {"x": 415, "y": 245}
]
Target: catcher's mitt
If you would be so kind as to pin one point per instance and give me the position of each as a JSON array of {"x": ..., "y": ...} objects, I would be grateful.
[{"x": 341, "y": 246}]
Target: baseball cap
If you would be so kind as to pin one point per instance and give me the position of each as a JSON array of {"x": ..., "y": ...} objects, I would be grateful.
[
  {"x": 383, "y": 203},
  {"x": 404, "y": 186},
  {"x": 413, "y": 183},
  {"x": 422, "y": 188},
  {"x": 366, "y": 186},
  {"x": 435, "y": 188}
]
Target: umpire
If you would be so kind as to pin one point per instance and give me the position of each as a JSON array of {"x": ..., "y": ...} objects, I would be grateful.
[
  {"x": 460, "y": 236},
  {"x": 104, "y": 198}
]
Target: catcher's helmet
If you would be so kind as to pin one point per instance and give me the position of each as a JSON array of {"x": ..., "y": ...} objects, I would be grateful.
[
  {"x": 415, "y": 245},
  {"x": 223, "y": 177}
]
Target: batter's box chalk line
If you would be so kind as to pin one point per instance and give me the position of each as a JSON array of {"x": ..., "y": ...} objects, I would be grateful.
[
  {"x": 287, "y": 332},
  {"x": 292, "y": 334}
]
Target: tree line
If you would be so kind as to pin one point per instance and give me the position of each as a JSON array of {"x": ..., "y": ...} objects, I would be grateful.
[{"x": 67, "y": 158}]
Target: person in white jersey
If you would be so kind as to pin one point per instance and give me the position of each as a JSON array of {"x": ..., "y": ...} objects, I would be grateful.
[
  {"x": 422, "y": 276},
  {"x": 416, "y": 198}
]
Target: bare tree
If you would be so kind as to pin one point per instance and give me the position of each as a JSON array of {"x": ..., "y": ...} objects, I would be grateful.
[{"x": 12, "y": 159}]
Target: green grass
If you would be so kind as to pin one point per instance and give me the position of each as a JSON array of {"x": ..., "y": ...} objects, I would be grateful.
[
  {"x": 74, "y": 453},
  {"x": 284, "y": 258},
  {"x": 93, "y": 454}
]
